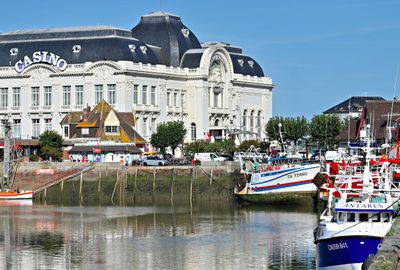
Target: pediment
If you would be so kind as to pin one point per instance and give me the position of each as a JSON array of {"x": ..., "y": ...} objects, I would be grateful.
[{"x": 39, "y": 72}]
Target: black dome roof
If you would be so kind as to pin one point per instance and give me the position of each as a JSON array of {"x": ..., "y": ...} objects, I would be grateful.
[
  {"x": 167, "y": 32},
  {"x": 96, "y": 44},
  {"x": 242, "y": 64}
]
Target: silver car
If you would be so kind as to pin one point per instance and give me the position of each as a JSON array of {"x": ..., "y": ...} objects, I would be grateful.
[{"x": 154, "y": 161}]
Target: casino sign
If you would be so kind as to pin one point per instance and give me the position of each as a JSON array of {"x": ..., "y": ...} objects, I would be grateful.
[{"x": 41, "y": 57}]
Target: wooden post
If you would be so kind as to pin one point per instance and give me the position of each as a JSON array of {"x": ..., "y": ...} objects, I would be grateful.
[
  {"x": 135, "y": 184},
  {"x": 80, "y": 187},
  {"x": 154, "y": 182},
  {"x": 62, "y": 189},
  {"x": 172, "y": 185},
  {"x": 211, "y": 176},
  {"x": 191, "y": 186},
  {"x": 99, "y": 186}
]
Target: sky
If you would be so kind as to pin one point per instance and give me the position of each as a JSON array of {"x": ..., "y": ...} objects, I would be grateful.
[{"x": 318, "y": 53}]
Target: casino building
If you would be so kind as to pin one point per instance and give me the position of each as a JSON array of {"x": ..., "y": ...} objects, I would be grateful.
[{"x": 158, "y": 71}]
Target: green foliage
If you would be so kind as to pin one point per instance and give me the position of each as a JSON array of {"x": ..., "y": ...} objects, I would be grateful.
[
  {"x": 245, "y": 145},
  {"x": 324, "y": 129},
  {"x": 201, "y": 146},
  {"x": 33, "y": 158},
  {"x": 50, "y": 145},
  {"x": 47, "y": 151},
  {"x": 51, "y": 138},
  {"x": 169, "y": 134},
  {"x": 293, "y": 128}
]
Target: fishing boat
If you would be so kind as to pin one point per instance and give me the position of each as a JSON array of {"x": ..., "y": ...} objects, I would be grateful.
[
  {"x": 356, "y": 220},
  {"x": 12, "y": 155},
  {"x": 16, "y": 195},
  {"x": 275, "y": 180}
]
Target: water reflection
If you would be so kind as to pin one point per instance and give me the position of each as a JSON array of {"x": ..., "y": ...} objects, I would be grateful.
[{"x": 208, "y": 236}]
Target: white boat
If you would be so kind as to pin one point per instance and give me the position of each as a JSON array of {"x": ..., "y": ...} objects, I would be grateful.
[
  {"x": 278, "y": 180},
  {"x": 355, "y": 221},
  {"x": 16, "y": 195}
]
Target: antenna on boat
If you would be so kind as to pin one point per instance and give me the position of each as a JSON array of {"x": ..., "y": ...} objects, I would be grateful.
[
  {"x": 6, "y": 155},
  {"x": 349, "y": 119},
  {"x": 389, "y": 123},
  {"x": 281, "y": 137}
]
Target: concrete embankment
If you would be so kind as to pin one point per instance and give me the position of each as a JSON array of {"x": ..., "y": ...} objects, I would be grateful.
[
  {"x": 113, "y": 182},
  {"x": 388, "y": 257}
]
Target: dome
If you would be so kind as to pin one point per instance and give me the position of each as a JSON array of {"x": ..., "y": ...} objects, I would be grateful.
[
  {"x": 76, "y": 45},
  {"x": 166, "y": 31}
]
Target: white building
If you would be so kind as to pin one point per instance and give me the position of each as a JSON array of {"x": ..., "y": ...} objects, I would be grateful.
[{"x": 159, "y": 70}]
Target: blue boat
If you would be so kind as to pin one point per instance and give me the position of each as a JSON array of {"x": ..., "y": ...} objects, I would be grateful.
[
  {"x": 352, "y": 232},
  {"x": 352, "y": 227}
]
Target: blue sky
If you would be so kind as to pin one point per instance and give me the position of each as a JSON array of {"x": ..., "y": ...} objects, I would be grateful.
[{"x": 318, "y": 53}]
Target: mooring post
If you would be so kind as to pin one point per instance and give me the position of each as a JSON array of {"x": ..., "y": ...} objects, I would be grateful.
[
  {"x": 172, "y": 185},
  {"x": 135, "y": 184},
  {"x": 99, "y": 186},
  {"x": 80, "y": 187},
  {"x": 62, "y": 189},
  {"x": 191, "y": 185},
  {"x": 154, "y": 182},
  {"x": 211, "y": 176}
]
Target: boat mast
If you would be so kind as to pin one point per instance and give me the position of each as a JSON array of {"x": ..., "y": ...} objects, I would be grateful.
[{"x": 6, "y": 155}]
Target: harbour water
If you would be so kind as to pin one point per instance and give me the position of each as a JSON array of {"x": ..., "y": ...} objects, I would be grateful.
[{"x": 206, "y": 236}]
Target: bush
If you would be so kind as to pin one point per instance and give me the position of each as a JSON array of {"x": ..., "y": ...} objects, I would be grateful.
[{"x": 33, "y": 158}]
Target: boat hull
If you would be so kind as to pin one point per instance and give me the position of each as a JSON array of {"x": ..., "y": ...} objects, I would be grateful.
[
  {"x": 280, "y": 186},
  {"x": 13, "y": 195},
  {"x": 280, "y": 197},
  {"x": 346, "y": 252}
]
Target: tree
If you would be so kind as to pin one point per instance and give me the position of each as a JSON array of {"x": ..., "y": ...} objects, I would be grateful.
[
  {"x": 324, "y": 129},
  {"x": 50, "y": 143},
  {"x": 168, "y": 134},
  {"x": 245, "y": 145},
  {"x": 292, "y": 128},
  {"x": 203, "y": 146}
]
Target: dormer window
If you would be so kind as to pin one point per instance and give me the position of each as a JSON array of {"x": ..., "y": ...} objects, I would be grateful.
[
  {"x": 143, "y": 49},
  {"x": 76, "y": 48},
  {"x": 185, "y": 32},
  {"x": 111, "y": 129},
  {"x": 132, "y": 47},
  {"x": 251, "y": 63},
  {"x": 241, "y": 62},
  {"x": 14, "y": 51}
]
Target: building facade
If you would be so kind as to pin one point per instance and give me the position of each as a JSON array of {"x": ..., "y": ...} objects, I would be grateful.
[{"x": 158, "y": 70}]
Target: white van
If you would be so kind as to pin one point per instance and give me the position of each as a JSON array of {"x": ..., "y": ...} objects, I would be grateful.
[{"x": 200, "y": 157}]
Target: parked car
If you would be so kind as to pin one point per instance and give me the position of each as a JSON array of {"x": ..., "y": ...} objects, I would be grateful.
[
  {"x": 154, "y": 161},
  {"x": 200, "y": 157}
]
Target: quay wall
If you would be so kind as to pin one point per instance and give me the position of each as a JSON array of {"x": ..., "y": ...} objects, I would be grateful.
[
  {"x": 111, "y": 182},
  {"x": 388, "y": 257}
]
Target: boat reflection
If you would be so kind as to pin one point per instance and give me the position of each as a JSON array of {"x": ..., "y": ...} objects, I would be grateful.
[{"x": 207, "y": 236}]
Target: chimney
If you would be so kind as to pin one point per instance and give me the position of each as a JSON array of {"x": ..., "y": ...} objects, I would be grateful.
[{"x": 85, "y": 113}]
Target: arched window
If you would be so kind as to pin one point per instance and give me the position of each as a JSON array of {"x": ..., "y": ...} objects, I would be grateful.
[
  {"x": 193, "y": 131},
  {"x": 252, "y": 120},
  {"x": 244, "y": 122},
  {"x": 216, "y": 123}
]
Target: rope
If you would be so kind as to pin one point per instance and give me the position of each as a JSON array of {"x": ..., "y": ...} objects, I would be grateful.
[{"x": 215, "y": 180}]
